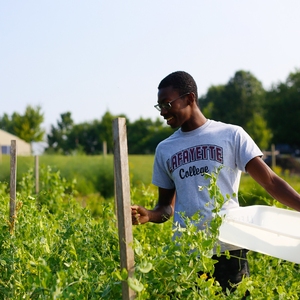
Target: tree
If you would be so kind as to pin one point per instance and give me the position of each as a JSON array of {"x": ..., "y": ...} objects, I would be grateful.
[
  {"x": 6, "y": 123},
  {"x": 85, "y": 137},
  {"x": 67, "y": 138},
  {"x": 259, "y": 131},
  {"x": 239, "y": 102},
  {"x": 283, "y": 110},
  {"x": 106, "y": 130},
  {"x": 213, "y": 97},
  {"x": 58, "y": 141},
  {"x": 144, "y": 135},
  {"x": 136, "y": 133},
  {"x": 27, "y": 126}
]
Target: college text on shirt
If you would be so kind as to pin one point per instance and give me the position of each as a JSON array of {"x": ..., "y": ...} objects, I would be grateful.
[{"x": 192, "y": 154}]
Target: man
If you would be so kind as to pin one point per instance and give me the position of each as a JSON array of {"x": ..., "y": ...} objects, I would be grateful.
[{"x": 200, "y": 146}]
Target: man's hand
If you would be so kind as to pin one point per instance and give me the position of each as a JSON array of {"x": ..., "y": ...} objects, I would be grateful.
[
  {"x": 161, "y": 213},
  {"x": 139, "y": 215}
]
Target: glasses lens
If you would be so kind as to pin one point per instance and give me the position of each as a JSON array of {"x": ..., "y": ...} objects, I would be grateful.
[
  {"x": 161, "y": 106},
  {"x": 157, "y": 106}
]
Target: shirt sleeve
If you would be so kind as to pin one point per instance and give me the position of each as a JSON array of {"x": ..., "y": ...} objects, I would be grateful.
[
  {"x": 161, "y": 176},
  {"x": 246, "y": 149}
]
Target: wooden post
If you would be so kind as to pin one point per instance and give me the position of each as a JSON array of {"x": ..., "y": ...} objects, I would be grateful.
[
  {"x": 36, "y": 165},
  {"x": 104, "y": 148},
  {"x": 273, "y": 156},
  {"x": 122, "y": 190},
  {"x": 13, "y": 179}
]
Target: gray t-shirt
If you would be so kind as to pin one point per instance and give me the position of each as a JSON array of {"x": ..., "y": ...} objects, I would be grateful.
[{"x": 182, "y": 159}]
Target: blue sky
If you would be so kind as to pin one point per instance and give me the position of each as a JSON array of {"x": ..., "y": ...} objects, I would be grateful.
[{"x": 89, "y": 57}]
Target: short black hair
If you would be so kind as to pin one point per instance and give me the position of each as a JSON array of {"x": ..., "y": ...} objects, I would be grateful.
[{"x": 181, "y": 81}]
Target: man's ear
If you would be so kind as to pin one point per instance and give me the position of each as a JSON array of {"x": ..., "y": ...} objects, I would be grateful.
[{"x": 191, "y": 98}]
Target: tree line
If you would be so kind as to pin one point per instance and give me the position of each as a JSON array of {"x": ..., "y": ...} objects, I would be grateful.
[
  {"x": 87, "y": 138},
  {"x": 269, "y": 116}
]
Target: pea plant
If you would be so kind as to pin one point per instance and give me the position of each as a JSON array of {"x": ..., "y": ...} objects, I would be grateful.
[
  {"x": 168, "y": 269},
  {"x": 61, "y": 249}
]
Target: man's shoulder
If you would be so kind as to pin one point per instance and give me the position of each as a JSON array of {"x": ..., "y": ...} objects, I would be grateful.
[
  {"x": 218, "y": 125},
  {"x": 170, "y": 138},
  {"x": 167, "y": 145},
  {"x": 222, "y": 124}
]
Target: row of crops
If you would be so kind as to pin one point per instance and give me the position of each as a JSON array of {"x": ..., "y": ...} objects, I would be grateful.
[{"x": 65, "y": 246}]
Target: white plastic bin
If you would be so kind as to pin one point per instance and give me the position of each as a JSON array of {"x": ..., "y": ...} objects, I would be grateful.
[{"x": 265, "y": 229}]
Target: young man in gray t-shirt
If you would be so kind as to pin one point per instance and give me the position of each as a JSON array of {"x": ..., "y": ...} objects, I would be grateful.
[{"x": 200, "y": 146}]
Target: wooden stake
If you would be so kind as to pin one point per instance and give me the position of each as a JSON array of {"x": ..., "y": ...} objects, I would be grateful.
[
  {"x": 13, "y": 179},
  {"x": 273, "y": 156},
  {"x": 36, "y": 165},
  {"x": 122, "y": 190},
  {"x": 104, "y": 148}
]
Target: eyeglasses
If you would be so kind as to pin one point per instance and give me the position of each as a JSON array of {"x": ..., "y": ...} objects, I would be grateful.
[{"x": 167, "y": 105}]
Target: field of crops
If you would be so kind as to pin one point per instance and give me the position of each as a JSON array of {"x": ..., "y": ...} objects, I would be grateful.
[{"x": 65, "y": 244}]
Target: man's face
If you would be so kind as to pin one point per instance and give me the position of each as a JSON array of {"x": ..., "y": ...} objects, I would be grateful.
[{"x": 176, "y": 112}]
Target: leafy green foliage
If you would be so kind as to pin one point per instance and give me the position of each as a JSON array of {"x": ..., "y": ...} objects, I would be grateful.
[
  {"x": 144, "y": 135},
  {"x": 236, "y": 101},
  {"x": 70, "y": 250},
  {"x": 58, "y": 136},
  {"x": 283, "y": 107},
  {"x": 63, "y": 254},
  {"x": 259, "y": 131},
  {"x": 27, "y": 126},
  {"x": 168, "y": 270},
  {"x": 240, "y": 101},
  {"x": 88, "y": 138}
]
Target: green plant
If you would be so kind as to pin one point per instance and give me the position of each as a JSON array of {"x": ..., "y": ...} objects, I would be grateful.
[{"x": 66, "y": 247}]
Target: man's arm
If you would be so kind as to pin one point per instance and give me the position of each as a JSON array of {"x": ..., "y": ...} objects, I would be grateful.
[
  {"x": 272, "y": 183},
  {"x": 162, "y": 211}
]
